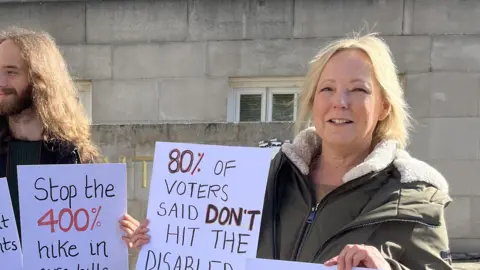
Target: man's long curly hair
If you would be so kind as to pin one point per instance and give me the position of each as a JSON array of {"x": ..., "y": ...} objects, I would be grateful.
[{"x": 54, "y": 94}]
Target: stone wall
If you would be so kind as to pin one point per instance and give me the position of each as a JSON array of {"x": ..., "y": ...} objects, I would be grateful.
[{"x": 157, "y": 62}]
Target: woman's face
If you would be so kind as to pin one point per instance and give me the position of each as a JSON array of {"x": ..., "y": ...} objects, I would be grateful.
[{"x": 348, "y": 101}]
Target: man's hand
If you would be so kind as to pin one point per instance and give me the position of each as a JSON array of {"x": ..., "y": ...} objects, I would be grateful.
[
  {"x": 128, "y": 225},
  {"x": 359, "y": 256},
  {"x": 140, "y": 236}
]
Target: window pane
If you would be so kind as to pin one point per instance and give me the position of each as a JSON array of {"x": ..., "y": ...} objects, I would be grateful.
[
  {"x": 250, "y": 108},
  {"x": 283, "y": 107}
]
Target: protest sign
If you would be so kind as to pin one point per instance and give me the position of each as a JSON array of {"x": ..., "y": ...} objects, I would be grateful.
[
  {"x": 263, "y": 264},
  {"x": 10, "y": 250},
  {"x": 69, "y": 216},
  {"x": 205, "y": 206}
]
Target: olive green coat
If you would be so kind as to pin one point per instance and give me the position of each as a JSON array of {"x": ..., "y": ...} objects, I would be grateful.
[{"x": 391, "y": 201}]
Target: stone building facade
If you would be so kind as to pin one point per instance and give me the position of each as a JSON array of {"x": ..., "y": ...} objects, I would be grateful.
[{"x": 190, "y": 70}]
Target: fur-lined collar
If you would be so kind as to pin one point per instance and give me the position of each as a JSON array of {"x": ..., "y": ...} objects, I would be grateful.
[{"x": 307, "y": 145}]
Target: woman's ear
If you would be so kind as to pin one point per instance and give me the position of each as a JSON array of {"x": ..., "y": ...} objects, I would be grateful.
[{"x": 385, "y": 111}]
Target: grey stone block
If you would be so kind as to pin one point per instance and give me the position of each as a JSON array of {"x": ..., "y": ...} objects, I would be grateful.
[
  {"x": 456, "y": 53},
  {"x": 190, "y": 99},
  {"x": 146, "y": 136},
  {"x": 159, "y": 60},
  {"x": 291, "y": 57},
  {"x": 445, "y": 141},
  {"x": 462, "y": 176},
  {"x": 408, "y": 12},
  {"x": 125, "y": 101},
  {"x": 262, "y": 58},
  {"x": 475, "y": 206},
  {"x": 411, "y": 53},
  {"x": 251, "y": 134},
  {"x": 443, "y": 94},
  {"x": 455, "y": 94},
  {"x": 211, "y": 133},
  {"x": 88, "y": 61},
  {"x": 459, "y": 223},
  {"x": 65, "y": 21},
  {"x": 337, "y": 18},
  {"x": 249, "y": 19},
  {"x": 270, "y": 19},
  {"x": 446, "y": 17},
  {"x": 417, "y": 93},
  {"x": 195, "y": 133},
  {"x": 419, "y": 146},
  {"x": 134, "y": 21}
]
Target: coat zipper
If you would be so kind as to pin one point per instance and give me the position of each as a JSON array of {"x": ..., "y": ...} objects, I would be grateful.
[
  {"x": 313, "y": 214},
  {"x": 317, "y": 254},
  {"x": 310, "y": 218}
]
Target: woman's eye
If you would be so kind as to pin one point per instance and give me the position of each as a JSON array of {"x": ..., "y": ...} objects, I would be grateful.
[
  {"x": 326, "y": 89},
  {"x": 359, "y": 89}
]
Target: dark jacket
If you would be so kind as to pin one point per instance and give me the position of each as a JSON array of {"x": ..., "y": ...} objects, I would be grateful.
[
  {"x": 391, "y": 201},
  {"x": 51, "y": 153}
]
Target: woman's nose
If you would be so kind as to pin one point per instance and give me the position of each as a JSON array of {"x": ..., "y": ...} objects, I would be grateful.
[{"x": 341, "y": 99}]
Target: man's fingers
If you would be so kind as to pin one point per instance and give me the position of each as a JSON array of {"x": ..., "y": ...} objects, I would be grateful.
[
  {"x": 127, "y": 230},
  {"x": 127, "y": 241},
  {"x": 140, "y": 242},
  {"x": 127, "y": 217},
  {"x": 129, "y": 223},
  {"x": 137, "y": 237}
]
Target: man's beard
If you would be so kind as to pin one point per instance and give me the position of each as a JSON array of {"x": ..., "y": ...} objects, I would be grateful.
[{"x": 14, "y": 104}]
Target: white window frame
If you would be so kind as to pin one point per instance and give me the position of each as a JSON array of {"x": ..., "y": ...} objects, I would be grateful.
[
  {"x": 267, "y": 98},
  {"x": 251, "y": 91},
  {"x": 266, "y": 86},
  {"x": 273, "y": 91}
]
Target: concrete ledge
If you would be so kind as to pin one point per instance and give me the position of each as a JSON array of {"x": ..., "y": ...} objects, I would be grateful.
[{"x": 245, "y": 134}]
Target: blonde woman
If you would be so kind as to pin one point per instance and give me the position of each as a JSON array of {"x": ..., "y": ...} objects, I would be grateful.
[{"x": 345, "y": 192}]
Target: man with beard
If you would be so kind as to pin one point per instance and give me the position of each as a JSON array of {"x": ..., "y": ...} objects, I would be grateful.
[{"x": 41, "y": 120}]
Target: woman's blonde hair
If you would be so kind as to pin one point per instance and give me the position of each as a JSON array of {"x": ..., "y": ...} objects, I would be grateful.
[
  {"x": 397, "y": 124},
  {"x": 54, "y": 93}
]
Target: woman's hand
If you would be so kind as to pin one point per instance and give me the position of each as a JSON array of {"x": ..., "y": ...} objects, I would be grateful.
[
  {"x": 128, "y": 225},
  {"x": 140, "y": 236},
  {"x": 359, "y": 256}
]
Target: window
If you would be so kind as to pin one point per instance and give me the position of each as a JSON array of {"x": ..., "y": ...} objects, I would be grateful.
[
  {"x": 266, "y": 104},
  {"x": 250, "y": 105},
  {"x": 85, "y": 96},
  {"x": 264, "y": 100},
  {"x": 283, "y": 104}
]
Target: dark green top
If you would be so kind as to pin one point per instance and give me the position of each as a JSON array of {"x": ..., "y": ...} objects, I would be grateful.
[{"x": 20, "y": 153}]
